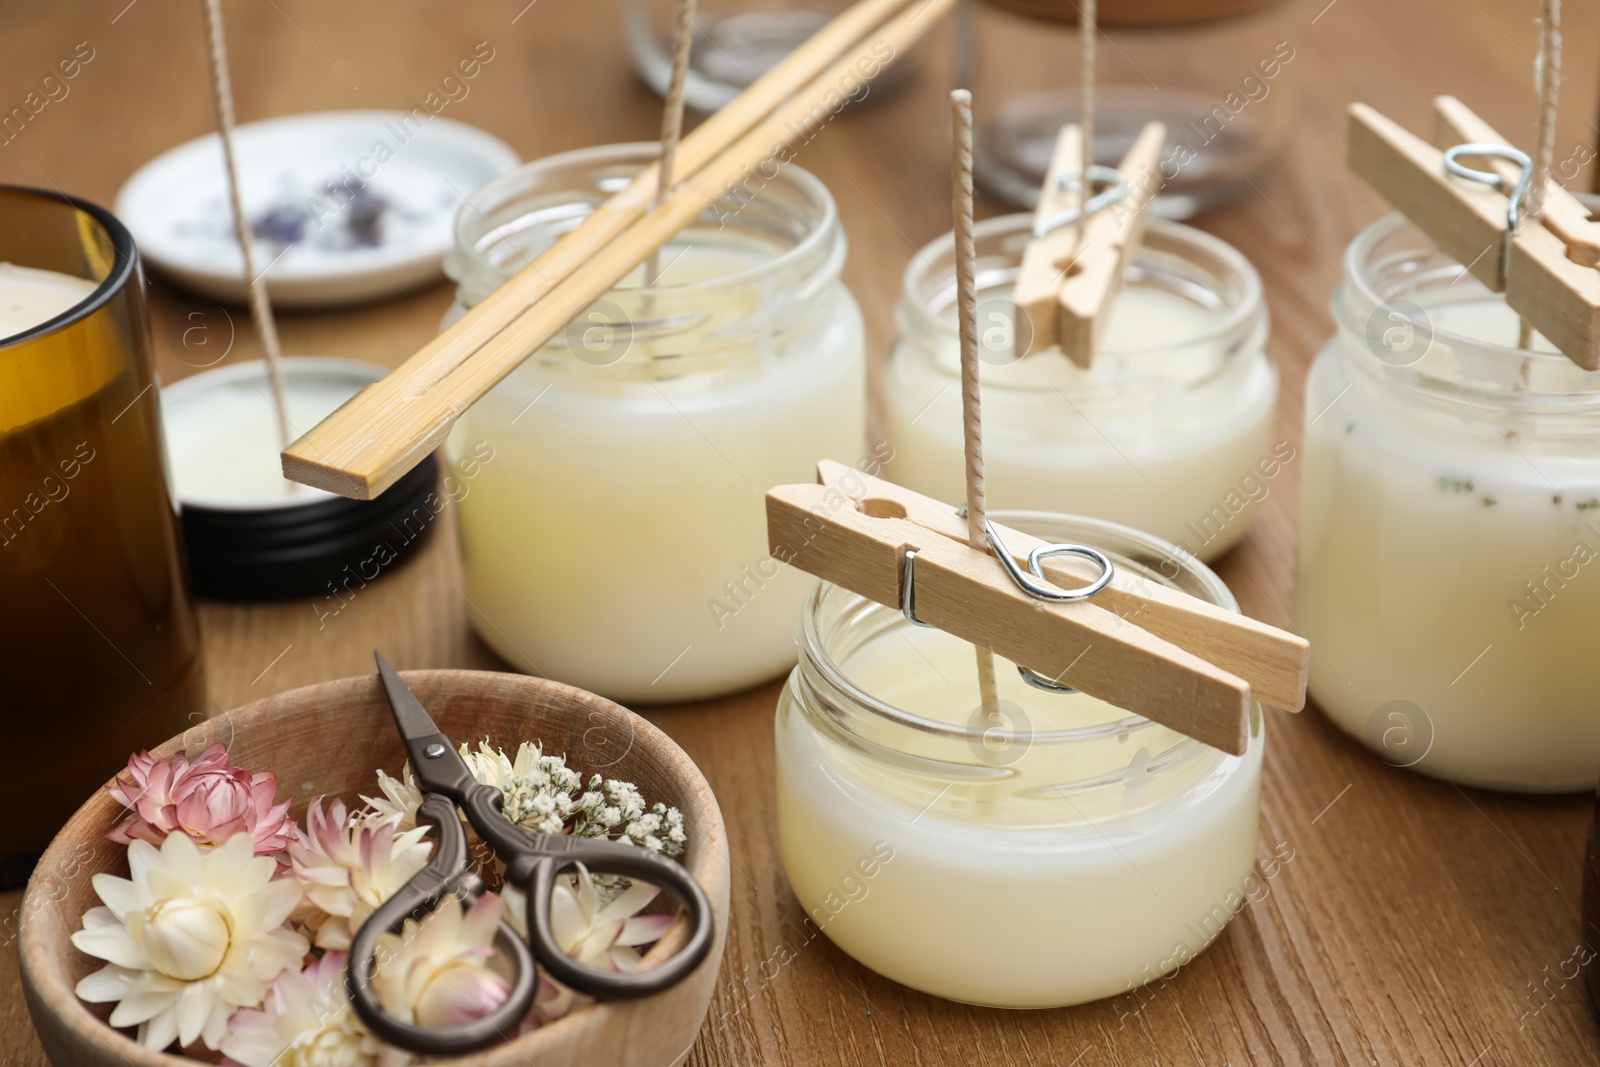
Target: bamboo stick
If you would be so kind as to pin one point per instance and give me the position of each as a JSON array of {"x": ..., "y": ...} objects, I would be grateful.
[{"x": 372, "y": 440}]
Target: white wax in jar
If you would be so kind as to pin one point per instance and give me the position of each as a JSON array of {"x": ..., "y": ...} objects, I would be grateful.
[
  {"x": 1027, "y": 889},
  {"x": 223, "y": 441},
  {"x": 617, "y": 539},
  {"x": 1447, "y": 577},
  {"x": 1185, "y": 461},
  {"x": 29, "y": 297}
]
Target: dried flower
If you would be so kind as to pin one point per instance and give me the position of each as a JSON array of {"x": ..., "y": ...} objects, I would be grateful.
[
  {"x": 348, "y": 867},
  {"x": 400, "y": 801},
  {"x": 437, "y": 973},
  {"x": 541, "y": 793},
  {"x": 602, "y": 934},
  {"x": 191, "y": 937},
  {"x": 306, "y": 1021},
  {"x": 536, "y": 790},
  {"x": 207, "y": 800}
]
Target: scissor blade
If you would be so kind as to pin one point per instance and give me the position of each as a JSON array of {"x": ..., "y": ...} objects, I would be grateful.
[
  {"x": 409, "y": 715},
  {"x": 434, "y": 761}
]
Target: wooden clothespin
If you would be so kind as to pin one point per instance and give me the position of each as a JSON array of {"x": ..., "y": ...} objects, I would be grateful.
[
  {"x": 1140, "y": 645},
  {"x": 1073, "y": 267},
  {"x": 1544, "y": 279},
  {"x": 1564, "y": 215}
]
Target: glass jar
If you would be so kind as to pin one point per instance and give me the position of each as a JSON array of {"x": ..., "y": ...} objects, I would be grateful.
[
  {"x": 1219, "y": 73},
  {"x": 613, "y": 532},
  {"x": 1169, "y": 431},
  {"x": 1450, "y": 520},
  {"x": 1068, "y": 852},
  {"x": 735, "y": 42},
  {"x": 98, "y": 641}
]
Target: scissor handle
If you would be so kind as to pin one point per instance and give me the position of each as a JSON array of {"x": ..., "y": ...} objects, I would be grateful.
[
  {"x": 559, "y": 854},
  {"x": 447, "y": 872}
]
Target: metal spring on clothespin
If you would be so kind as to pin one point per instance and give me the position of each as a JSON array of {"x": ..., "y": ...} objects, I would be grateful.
[
  {"x": 1514, "y": 198},
  {"x": 1035, "y": 584},
  {"x": 1117, "y": 188}
]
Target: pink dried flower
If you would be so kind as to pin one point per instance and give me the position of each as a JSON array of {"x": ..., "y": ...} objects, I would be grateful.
[
  {"x": 440, "y": 972},
  {"x": 349, "y": 865},
  {"x": 207, "y": 800}
]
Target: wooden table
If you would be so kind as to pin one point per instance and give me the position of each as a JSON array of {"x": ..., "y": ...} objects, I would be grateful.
[{"x": 1417, "y": 923}]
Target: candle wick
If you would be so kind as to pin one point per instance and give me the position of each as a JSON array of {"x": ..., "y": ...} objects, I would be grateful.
[
  {"x": 260, "y": 306},
  {"x": 971, "y": 401},
  {"x": 1544, "y": 141},
  {"x": 672, "y": 121}
]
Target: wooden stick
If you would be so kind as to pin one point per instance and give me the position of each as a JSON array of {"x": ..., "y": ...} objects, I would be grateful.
[
  {"x": 672, "y": 118},
  {"x": 260, "y": 306},
  {"x": 967, "y": 309},
  {"x": 964, "y": 592},
  {"x": 1274, "y": 662},
  {"x": 372, "y": 440},
  {"x": 1467, "y": 221}
]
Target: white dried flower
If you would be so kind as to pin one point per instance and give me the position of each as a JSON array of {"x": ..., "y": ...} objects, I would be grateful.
[
  {"x": 399, "y": 803},
  {"x": 190, "y": 938},
  {"x": 541, "y": 793},
  {"x": 307, "y": 1021}
]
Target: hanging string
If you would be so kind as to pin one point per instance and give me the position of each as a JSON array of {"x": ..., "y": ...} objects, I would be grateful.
[
  {"x": 672, "y": 118},
  {"x": 1544, "y": 141},
  {"x": 260, "y": 307},
  {"x": 967, "y": 301},
  {"x": 1087, "y": 23}
]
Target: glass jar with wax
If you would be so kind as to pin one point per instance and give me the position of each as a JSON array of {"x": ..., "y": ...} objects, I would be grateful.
[
  {"x": 1059, "y": 852},
  {"x": 99, "y": 647},
  {"x": 617, "y": 538},
  {"x": 1169, "y": 431},
  {"x": 1450, "y": 527}
]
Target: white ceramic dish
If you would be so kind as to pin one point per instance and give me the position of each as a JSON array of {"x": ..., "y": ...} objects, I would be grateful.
[{"x": 419, "y": 165}]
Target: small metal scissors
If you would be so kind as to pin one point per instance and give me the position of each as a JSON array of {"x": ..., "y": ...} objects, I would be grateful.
[{"x": 533, "y": 862}]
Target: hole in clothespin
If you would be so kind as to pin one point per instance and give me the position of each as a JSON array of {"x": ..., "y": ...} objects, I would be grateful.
[{"x": 879, "y": 508}]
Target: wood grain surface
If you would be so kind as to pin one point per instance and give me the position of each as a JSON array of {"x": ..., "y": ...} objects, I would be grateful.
[{"x": 1416, "y": 924}]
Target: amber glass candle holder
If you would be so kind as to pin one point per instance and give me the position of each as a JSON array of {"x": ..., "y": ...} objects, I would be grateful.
[{"x": 99, "y": 649}]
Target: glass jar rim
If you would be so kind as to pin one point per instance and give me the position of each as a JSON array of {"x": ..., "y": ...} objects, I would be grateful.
[
  {"x": 1084, "y": 529},
  {"x": 487, "y": 198},
  {"x": 1359, "y": 274},
  {"x": 125, "y": 265},
  {"x": 1250, "y": 295}
]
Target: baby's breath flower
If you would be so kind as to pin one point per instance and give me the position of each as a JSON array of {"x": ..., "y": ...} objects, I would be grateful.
[{"x": 540, "y": 792}]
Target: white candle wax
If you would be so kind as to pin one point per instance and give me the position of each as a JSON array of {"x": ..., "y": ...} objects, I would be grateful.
[
  {"x": 29, "y": 297},
  {"x": 1016, "y": 884},
  {"x": 223, "y": 437},
  {"x": 1168, "y": 431},
  {"x": 1447, "y": 580},
  {"x": 617, "y": 540}
]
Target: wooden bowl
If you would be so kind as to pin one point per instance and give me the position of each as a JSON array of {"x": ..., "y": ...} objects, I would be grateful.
[{"x": 329, "y": 739}]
